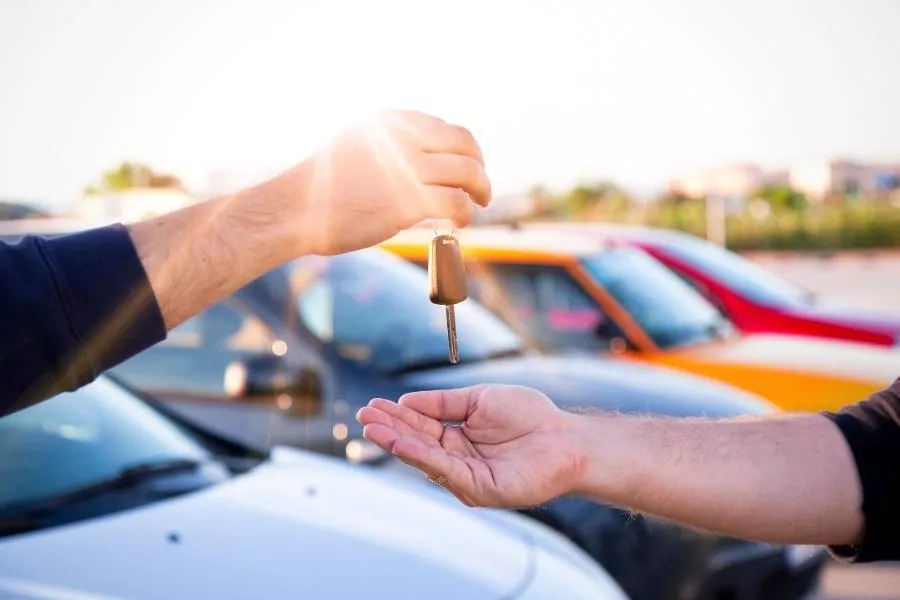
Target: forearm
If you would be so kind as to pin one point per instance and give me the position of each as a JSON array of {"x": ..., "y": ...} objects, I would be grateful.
[
  {"x": 200, "y": 254},
  {"x": 781, "y": 478}
]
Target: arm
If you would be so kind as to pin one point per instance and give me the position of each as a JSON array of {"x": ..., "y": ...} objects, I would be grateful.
[
  {"x": 75, "y": 306},
  {"x": 830, "y": 479},
  {"x": 784, "y": 479}
]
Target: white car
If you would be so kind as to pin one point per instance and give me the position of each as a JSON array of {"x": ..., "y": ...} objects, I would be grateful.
[{"x": 103, "y": 496}]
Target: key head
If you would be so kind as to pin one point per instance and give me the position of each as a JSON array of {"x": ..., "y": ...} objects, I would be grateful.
[{"x": 446, "y": 272}]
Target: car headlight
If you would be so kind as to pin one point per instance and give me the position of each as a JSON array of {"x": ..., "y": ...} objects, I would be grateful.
[{"x": 363, "y": 451}]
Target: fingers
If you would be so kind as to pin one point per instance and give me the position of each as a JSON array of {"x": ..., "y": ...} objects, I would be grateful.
[
  {"x": 449, "y": 203},
  {"x": 443, "y": 405},
  {"x": 434, "y": 464},
  {"x": 450, "y": 139},
  {"x": 411, "y": 420},
  {"x": 443, "y": 155},
  {"x": 435, "y": 461},
  {"x": 434, "y": 135},
  {"x": 455, "y": 171},
  {"x": 381, "y": 435},
  {"x": 445, "y": 483}
]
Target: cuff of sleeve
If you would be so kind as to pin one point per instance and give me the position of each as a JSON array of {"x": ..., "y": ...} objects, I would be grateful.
[
  {"x": 107, "y": 296},
  {"x": 858, "y": 440}
]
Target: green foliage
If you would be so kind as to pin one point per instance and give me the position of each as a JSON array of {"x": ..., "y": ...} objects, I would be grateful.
[
  {"x": 791, "y": 223},
  {"x": 128, "y": 175},
  {"x": 596, "y": 200},
  {"x": 781, "y": 196},
  {"x": 849, "y": 226}
]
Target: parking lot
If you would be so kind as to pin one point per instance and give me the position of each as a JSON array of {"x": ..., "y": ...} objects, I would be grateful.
[{"x": 864, "y": 280}]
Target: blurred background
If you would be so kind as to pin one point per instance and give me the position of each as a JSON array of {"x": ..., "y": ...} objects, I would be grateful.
[{"x": 767, "y": 130}]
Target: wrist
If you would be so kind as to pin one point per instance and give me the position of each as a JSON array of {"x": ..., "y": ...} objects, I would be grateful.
[
  {"x": 601, "y": 447},
  {"x": 278, "y": 211}
]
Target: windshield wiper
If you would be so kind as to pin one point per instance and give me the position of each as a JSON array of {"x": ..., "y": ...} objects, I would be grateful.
[{"x": 25, "y": 516}]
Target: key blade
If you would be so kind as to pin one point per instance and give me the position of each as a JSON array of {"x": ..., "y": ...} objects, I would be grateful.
[{"x": 451, "y": 334}]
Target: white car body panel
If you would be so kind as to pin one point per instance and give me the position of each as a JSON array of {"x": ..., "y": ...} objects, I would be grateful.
[{"x": 301, "y": 525}]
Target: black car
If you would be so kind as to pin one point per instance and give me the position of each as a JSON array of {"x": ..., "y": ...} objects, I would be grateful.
[{"x": 290, "y": 357}]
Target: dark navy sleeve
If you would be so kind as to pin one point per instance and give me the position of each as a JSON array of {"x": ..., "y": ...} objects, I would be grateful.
[
  {"x": 71, "y": 307},
  {"x": 872, "y": 430}
]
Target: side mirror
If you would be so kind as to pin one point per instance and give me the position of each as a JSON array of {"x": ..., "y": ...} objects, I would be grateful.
[{"x": 267, "y": 378}]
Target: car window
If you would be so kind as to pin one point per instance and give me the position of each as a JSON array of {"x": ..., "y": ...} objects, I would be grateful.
[
  {"x": 372, "y": 308},
  {"x": 671, "y": 312},
  {"x": 734, "y": 271},
  {"x": 549, "y": 303},
  {"x": 195, "y": 355},
  {"x": 701, "y": 289},
  {"x": 83, "y": 436}
]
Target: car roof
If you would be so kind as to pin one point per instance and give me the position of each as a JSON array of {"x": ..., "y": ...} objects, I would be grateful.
[{"x": 485, "y": 239}]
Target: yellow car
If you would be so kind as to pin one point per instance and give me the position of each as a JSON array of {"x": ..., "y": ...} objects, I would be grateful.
[{"x": 568, "y": 292}]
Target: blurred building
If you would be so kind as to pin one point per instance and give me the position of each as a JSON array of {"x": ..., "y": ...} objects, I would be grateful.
[
  {"x": 731, "y": 180},
  {"x": 818, "y": 180},
  {"x": 131, "y": 205}
]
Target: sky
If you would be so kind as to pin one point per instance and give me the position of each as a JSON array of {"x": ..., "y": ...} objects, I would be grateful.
[{"x": 555, "y": 91}]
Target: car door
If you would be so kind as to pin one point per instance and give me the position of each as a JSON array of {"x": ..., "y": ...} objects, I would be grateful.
[
  {"x": 190, "y": 372},
  {"x": 545, "y": 302}
]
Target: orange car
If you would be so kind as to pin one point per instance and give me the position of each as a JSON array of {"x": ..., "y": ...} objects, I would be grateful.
[{"x": 568, "y": 292}]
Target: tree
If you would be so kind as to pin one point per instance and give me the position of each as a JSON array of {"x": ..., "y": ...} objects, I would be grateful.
[
  {"x": 781, "y": 196},
  {"x": 129, "y": 175},
  {"x": 596, "y": 200}
]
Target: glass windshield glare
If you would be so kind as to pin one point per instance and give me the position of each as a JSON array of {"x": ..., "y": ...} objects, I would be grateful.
[
  {"x": 81, "y": 437},
  {"x": 665, "y": 307},
  {"x": 373, "y": 309},
  {"x": 736, "y": 272}
]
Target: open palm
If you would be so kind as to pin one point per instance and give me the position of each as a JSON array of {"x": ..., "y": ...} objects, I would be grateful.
[{"x": 491, "y": 445}]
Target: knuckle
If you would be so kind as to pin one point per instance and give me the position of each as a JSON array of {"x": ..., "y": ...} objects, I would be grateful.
[{"x": 464, "y": 136}]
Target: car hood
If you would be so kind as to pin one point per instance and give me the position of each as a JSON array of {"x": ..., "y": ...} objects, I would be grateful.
[
  {"x": 600, "y": 382},
  {"x": 868, "y": 320},
  {"x": 851, "y": 361},
  {"x": 300, "y": 525}
]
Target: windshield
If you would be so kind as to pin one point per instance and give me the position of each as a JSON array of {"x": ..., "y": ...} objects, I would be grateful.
[
  {"x": 81, "y": 437},
  {"x": 736, "y": 272},
  {"x": 666, "y": 308},
  {"x": 372, "y": 308}
]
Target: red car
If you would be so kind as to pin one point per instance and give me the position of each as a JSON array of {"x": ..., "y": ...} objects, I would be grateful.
[{"x": 750, "y": 296}]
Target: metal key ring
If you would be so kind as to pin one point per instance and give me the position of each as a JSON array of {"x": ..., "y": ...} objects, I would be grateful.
[{"x": 435, "y": 228}]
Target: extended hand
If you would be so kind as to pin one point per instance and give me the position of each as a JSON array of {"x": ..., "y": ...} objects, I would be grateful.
[
  {"x": 384, "y": 175},
  {"x": 512, "y": 448}
]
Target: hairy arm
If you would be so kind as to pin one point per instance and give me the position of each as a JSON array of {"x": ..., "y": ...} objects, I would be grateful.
[
  {"x": 777, "y": 478},
  {"x": 828, "y": 479},
  {"x": 204, "y": 252},
  {"x": 79, "y": 304}
]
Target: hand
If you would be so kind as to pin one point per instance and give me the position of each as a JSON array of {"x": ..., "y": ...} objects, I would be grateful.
[
  {"x": 514, "y": 447},
  {"x": 384, "y": 175}
]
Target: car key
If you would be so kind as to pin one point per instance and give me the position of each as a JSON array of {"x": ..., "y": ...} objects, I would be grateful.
[{"x": 447, "y": 282}]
